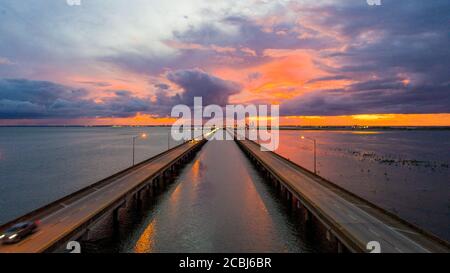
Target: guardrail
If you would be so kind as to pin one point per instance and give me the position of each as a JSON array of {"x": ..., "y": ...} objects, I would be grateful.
[
  {"x": 358, "y": 201},
  {"x": 57, "y": 204}
]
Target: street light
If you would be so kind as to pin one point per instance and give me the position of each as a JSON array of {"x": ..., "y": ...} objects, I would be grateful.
[
  {"x": 143, "y": 135},
  {"x": 315, "y": 154},
  {"x": 168, "y": 140}
]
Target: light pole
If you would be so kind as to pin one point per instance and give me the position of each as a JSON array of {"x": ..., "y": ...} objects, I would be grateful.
[
  {"x": 168, "y": 140},
  {"x": 315, "y": 153},
  {"x": 143, "y": 135}
]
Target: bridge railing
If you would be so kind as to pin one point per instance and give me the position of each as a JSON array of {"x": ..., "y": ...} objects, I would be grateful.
[
  {"x": 342, "y": 192},
  {"x": 39, "y": 213}
]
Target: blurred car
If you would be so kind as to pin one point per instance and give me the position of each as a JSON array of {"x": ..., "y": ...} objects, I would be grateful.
[{"x": 18, "y": 231}]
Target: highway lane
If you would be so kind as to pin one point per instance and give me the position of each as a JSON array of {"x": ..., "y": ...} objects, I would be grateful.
[
  {"x": 349, "y": 217},
  {"x": 60, "y": 223}
]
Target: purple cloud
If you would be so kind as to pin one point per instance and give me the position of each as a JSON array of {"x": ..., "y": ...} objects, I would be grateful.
[
  {"x": 197, "y": 83},
  {"x": 27, "y": 99}
]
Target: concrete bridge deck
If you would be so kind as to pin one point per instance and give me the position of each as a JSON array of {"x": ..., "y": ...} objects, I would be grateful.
[
  {"x": 70, "y": 217},
  {"x": 352, "y": 221}
]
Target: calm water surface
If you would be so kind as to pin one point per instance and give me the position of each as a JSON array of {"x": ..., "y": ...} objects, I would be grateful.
[
  {"x": 405, "y": 172},
  {"x": 219, "y": 204},
  {"x": 219, "y": 197},
  {"x": 41, "y": 164}
]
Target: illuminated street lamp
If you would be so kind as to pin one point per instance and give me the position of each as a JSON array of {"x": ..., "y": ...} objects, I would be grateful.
[
  {"x": 315, "y": 154},
  {"x": 143, "y": 136}
]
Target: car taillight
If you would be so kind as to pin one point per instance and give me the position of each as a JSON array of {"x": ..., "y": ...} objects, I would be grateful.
[{"x": 37, "y": 222}]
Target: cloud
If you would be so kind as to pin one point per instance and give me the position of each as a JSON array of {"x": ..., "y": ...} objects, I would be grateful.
[
  {"x": 21, "y": 98},
  {"x": 29, "y": 99},
  {"x": 328, "y": 78},
  {"x": 197, "y": 83},
  {"x": 257, "y": 35},
  {"x": 372, "y": 97},
  {"x": 389, "y": 59},
  {"x": 395, "y": 56},
  {"x": 5, "y": 61},
  {"x": 96, "y": 84}
]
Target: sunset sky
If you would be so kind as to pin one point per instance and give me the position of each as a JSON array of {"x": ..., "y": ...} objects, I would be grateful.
[{"x": 128, "y": 62}]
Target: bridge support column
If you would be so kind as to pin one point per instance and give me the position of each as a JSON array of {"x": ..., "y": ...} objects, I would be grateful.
[
  {"x": 85, "y": 236},
  {"x": 294, "y": 202},
  {"x": 274, "y": 181},
  {"x": 306, "y": 215},
  {"x": 163, "y": 180},
  {"x": 155, "y": 183},
  {"x": 115, "y": 220},
  {"x": 138, "y": 199},
  {"x": 160, "y": 181},
  {"x": 149, "y": 189}
]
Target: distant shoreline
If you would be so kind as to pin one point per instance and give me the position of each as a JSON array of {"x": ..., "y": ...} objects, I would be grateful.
[{"x": 300, "y": 128}]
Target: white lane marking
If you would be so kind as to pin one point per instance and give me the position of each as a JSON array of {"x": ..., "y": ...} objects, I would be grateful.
[
  {"x": 118, "y": 182},
  {"x": 337, "y": 197},
  {"x": 352, "y": 216},
  {"x": 336, "y": 205},
  {"x": 63, "y": 219},
  {"x": 403, "y": 230},
  {"x": 361, "y": 210},
  {"x": 374, "y": 232},
  {"x": 398, "y": 249}
]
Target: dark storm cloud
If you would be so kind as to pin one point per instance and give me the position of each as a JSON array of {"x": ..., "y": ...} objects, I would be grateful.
[
  {"x": 27, "y": 99},
  {"x": 402, "y": 36},
  {"x": 404, "y": 45},
  {"x": 249, "y": 35},
  {"x": 397, "y": 56},
  {"x": 197, "y": 83},
  {"x": 328, "y": 78},
  {"x": 256, "y": 36},
  {"x": 162, "y": 86},
  {"x": 194, "y": 83},
  {"x": 21, "y": 98},
  {"x": 372, "y": 97}
]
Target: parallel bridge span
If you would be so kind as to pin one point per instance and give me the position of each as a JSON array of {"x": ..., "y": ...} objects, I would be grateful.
[
  {"x": 71, "y": 217},
  {"x": 348, "y": 222}
]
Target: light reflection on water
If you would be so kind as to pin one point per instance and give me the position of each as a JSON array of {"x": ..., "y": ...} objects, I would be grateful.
[
  {"x": 219, "y": 204},
  {"x": 406, "y": 172}
]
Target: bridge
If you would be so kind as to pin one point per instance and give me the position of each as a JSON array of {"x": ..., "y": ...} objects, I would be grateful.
[
  {"x": 71, "y": 217},
  {"x": 346, "y": 222}
]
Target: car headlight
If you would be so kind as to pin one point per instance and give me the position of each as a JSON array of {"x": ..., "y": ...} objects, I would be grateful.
[
  {"x": 2, "y": 236},
  {"x": 12, "y": 236}
]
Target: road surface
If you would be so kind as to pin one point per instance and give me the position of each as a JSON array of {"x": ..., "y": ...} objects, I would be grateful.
[
  {"x": 356, "y": 220},
  {"x": 56, "y": 225}
]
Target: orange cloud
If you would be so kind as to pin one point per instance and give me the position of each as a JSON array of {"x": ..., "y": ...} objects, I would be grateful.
[
  {"x": 139, "y": 119},
  {"x": 285, "y": 76},
  {"x": 370, "y": 120}
]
